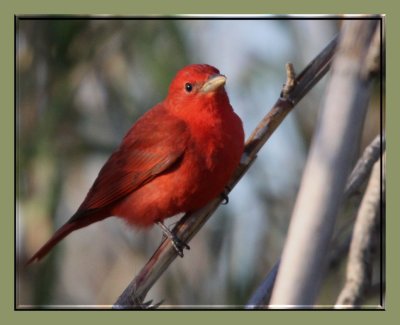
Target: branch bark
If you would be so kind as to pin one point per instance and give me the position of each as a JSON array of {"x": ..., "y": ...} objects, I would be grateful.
[
  {"x": 328, "y": 166},
  {"x": 364, "y": 165},
  {"x": 358, "y": 276},
  {"x": 133, "y": 296}
]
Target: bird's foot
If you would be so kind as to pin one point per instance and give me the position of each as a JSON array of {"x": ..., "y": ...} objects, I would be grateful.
[
  {"x": 138, "y": 303},
  {"x": 178, "y": 244},
  {"x": 149, "y": 304}
]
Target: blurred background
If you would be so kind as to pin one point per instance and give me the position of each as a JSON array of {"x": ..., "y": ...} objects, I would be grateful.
[{"x": 81, "y": 84}]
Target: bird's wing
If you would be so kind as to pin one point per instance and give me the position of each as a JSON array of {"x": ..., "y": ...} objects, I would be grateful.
[{"x": 154, "y": 145}]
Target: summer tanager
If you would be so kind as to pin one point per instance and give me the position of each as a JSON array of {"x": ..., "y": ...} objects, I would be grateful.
[{"x": 177, "y": 157}]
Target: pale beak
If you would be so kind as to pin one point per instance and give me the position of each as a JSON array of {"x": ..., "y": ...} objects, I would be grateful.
[{"x": 213, "y": 83}]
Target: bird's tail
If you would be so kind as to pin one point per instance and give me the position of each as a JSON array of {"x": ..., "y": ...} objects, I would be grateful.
[
  {"x": 54, "y": 240},
  {"x": 75, "y": 223}
]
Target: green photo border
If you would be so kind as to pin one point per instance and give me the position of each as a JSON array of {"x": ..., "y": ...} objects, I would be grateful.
[{"x": 7, "y": 12}]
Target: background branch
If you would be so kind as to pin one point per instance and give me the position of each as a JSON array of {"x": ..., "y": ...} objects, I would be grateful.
[
  {"x": 364, "y": 165},
  {"x": 328, "y": 166},
  {"x": 191, "y": 223},
  {"x": 262, "y": 295},
  {"x": 358, "y": 176},
  {"x": 358, "y": 276}
]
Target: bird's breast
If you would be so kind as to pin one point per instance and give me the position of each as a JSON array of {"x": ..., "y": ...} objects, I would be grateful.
[{"x": 212, "y": 156}]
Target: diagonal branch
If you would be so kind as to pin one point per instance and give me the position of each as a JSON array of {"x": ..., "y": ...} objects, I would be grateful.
[
  {"x": 191, "y": 223},
  {"x": 359, "y": 266},
  {"x": 364, "y": 165},
  {"x": 262, "y": 295}
]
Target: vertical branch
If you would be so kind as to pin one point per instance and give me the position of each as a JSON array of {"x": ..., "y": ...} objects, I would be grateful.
[{"x": 328, "y": 166}]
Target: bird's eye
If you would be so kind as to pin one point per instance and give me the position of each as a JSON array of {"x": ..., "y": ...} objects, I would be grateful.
[{"x": 188, "y": 87}]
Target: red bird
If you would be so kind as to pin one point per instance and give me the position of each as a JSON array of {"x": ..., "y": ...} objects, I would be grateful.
[{"x": 176, "y": 158}]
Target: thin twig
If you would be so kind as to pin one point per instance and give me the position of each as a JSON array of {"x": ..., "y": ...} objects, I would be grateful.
[
  {"x": 373, "y": 58},
  {"x": 364, "y": 165},
  {"x": 358, "y": 275},
  {"x": 191, "y": 223},
  {"x": 358, "y": 177}
]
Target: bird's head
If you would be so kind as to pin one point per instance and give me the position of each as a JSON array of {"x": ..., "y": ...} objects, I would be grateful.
[{"x": 197, "y": 83}]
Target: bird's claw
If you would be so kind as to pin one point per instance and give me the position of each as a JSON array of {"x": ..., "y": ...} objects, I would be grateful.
[
  {"x": 178, "y": 244},
  {"x": 225, "y": 197},
  {"x": 149, "y": 304}
]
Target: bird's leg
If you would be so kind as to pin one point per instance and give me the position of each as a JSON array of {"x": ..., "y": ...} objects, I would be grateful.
[
  {"x": 178, "y": 244},
  {"x": 225, "y": 197}
]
